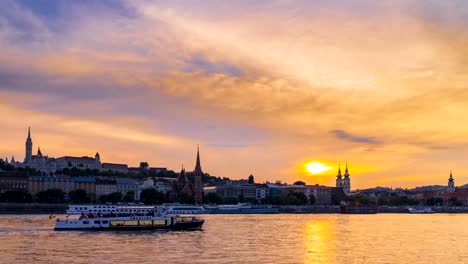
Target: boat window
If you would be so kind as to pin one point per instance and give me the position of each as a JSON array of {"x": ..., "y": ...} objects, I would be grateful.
[
  {"x": 97, "y": 221},
  {"x": 85, "y": 222},
  {"x": 105, "y": 222}
]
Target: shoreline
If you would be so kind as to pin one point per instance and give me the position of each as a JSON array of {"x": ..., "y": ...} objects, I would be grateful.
[{"x": 37, "y": 208}]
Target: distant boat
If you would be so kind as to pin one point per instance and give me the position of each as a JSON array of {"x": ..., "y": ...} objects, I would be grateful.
[
  {"x": 421, "y": 211},
  {"x": 241, "y": 208}
]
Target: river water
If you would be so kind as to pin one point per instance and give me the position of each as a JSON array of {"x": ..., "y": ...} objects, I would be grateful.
[{"x": 282, "y": 238}]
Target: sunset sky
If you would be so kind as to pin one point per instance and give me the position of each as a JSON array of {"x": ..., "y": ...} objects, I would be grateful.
[{"x": 263, "y": 87}]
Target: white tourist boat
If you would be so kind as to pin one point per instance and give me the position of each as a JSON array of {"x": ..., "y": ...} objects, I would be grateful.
[
  {"x": 420, "y": 211},
  {"x": 101, "y": 217}
]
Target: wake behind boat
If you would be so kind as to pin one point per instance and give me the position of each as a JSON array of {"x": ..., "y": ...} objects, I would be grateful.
[{"x": 103, "y": 217}]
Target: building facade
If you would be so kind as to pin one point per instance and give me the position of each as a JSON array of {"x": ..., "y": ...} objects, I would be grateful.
[
  {"x": 82, "y": 163},
  {"x": 105, "y": 187},
  {"x": 120, "y": 168},
  {"x": 85, "y": 183},
  {"x": 241, "y": 192},
  {"x": 125, "y": 185},
  {"x": 13, "y": 182},
  {"x": 43, "y": 183}
]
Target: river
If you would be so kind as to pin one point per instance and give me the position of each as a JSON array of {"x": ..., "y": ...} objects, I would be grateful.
[{"x": 281, "y": 238}]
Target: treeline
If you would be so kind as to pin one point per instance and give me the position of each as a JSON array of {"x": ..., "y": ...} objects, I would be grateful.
[{"x": 19, "y": 171}]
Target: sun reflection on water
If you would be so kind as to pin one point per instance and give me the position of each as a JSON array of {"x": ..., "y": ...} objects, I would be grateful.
[{"x": 318, "y": 238}]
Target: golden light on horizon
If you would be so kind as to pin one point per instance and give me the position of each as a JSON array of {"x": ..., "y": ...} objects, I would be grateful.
[{"x": 316, "y": 167}]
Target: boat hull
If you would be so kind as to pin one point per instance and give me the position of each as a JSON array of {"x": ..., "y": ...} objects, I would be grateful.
[{"x": 195, "y": 225}]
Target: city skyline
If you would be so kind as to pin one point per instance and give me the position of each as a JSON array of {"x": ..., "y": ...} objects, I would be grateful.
[{"x": 265, "y": 88}]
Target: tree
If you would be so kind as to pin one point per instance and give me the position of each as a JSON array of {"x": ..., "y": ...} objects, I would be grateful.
[
  {"x": 455, "y": 202},
  {"x": 144, "y": 165},
  {"x": 51, "y": 196},
  {"x": 151, "y": 196},
  {"x": 338, "y": 196},
  {"x": 296, "y": 198},
  {"x": 434, "y": 201},
  {"x": 251, "y": 179},
  {"x": 185, "y": 198},
  {"x": 16, "y": 196},
  {"x": 78, "y": 196},
  {"x": 115, "y": 197},
  {"x": 299, "y": 183},
  {"x": 214, "y": 198},
  {"x": 129, "y": 197},
  {"x": 362, "y": 199},
  {"x": 312, "y": 199}
]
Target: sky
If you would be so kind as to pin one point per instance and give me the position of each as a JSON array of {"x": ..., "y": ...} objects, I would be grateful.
[{"x": 264, "y": 87}]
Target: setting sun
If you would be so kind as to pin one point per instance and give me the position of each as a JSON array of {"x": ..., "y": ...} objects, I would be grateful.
[{"x": 316, "y": 167}]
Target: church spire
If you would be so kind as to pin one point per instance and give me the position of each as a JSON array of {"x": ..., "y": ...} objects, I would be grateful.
[
  {"x": 198, "y": 168},
  {"x": 29, "y": 145},
  {"x": 346, "y": 175},
  {"x": 339, "y": 170}
]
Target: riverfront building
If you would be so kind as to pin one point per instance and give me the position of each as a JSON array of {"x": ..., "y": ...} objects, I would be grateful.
[
  {"x": 125, "y": 185},
  {"x": 12, "y": 182},
  {"x": 121, "y": 168},
  {"x": 43, "y": 183},
  {"x": 105, "y": 186}
]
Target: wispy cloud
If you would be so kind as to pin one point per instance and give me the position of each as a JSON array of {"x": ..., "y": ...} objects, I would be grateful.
[{"x": 341, "y": 134}]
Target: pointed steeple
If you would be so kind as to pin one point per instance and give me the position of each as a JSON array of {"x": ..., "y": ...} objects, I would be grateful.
[
  {"x": 29, "y": 146},
  {"x": 198, "y": 169},
  {"x": 346, "y": 171},
  {"x": 339, "y": 171},
  {"x": 39, "y": 153},
  {"x": 13, "y": 159},
  {"x": 6, "y": 160}
]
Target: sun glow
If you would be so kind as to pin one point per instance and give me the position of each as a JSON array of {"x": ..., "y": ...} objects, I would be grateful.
[{"x": 316, "y": 167}]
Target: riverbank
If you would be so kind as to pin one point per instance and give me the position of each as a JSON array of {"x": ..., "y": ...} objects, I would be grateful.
[{"x": 38, "y": 208}]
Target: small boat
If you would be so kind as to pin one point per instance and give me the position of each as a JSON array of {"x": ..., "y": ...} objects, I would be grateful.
[
  {"x": 421, "y": 211},
  {"x": 127, "y": 218}
]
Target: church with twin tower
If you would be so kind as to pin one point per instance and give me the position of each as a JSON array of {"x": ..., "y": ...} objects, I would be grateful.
[{"x": 344, "y": 181}]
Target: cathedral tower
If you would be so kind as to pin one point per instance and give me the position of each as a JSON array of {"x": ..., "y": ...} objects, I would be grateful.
[
  {"x": 346, "y": 181},
  {"x": 29, "y": 145},
  {"x": 198, "y": 186},
  {"x": 451, "y": 183},
  {"x": 339, "y": 180}
]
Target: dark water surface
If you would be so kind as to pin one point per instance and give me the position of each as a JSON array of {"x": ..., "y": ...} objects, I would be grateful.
[{"x": 381, "y": 238}]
